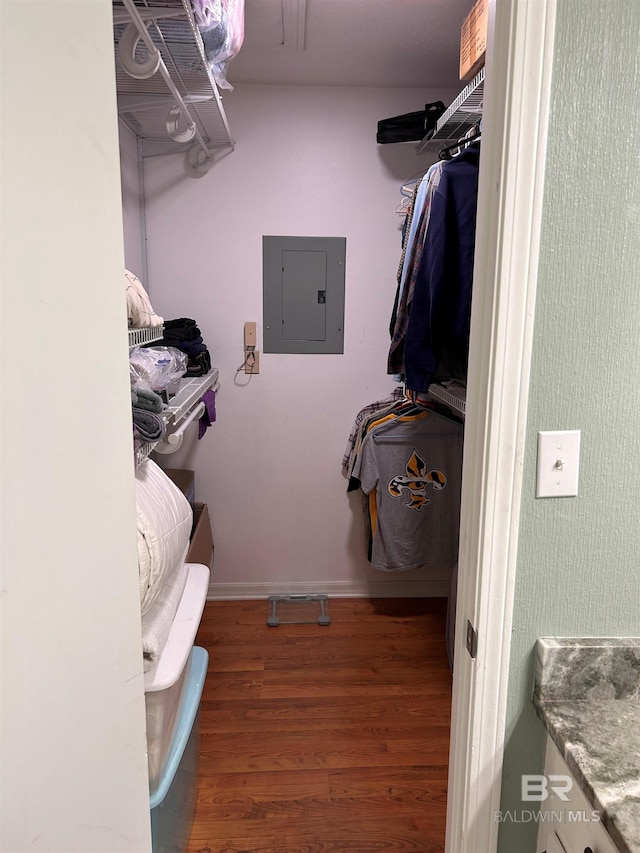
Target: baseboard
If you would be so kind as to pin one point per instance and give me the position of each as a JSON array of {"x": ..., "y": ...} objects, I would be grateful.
[{"x": 336, "y": 589}]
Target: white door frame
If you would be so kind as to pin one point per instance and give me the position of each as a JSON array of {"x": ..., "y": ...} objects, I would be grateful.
[{"x": 515, "y": 120}]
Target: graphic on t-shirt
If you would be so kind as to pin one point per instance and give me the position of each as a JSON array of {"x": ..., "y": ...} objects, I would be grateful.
[{"x": 416, "y": 481}]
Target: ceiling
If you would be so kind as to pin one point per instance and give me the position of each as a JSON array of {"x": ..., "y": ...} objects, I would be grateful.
[{"x": 397, "y": 43}]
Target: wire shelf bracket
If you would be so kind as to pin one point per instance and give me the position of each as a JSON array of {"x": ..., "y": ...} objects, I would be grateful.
[
  {"x": 166, "y": 93},
  {"x": 459, "y": 117},
  {"x": 453, "y": 394}
]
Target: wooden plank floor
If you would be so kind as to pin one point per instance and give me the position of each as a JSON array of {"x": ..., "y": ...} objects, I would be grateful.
[{"x": 327, "y": 739}]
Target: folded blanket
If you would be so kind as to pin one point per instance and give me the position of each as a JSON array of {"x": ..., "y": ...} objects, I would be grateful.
[
  {"x": 147, "y": 399},
  {"x": 183, "y": 334},
  {"x": 163, "y": 519},
  {"x": 192, "y": 348},
  {"x": 182, "y": 329},
  {"x": 150, "y": 426},
  {"x": 200, "y": 365},
  {"x": 140, "y": 312},
  {"x": 157, "y": 621}
]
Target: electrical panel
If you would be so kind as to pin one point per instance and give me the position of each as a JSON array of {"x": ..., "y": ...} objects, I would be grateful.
[{"x": 303, "y": 294}]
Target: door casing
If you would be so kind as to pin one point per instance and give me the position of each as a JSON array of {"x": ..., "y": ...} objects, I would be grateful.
[{"x": 512, "y": 164}]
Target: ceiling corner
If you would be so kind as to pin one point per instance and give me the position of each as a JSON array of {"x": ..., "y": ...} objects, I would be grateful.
[
  {"x": 293, "y": 15},
  {"x": 275, "y": 25}
]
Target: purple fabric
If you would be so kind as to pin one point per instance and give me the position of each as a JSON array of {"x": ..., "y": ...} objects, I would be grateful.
[{"x": 209, "y": 414}]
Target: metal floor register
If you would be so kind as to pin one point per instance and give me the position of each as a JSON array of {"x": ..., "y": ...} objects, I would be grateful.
[{"x": 298, "y": 610}]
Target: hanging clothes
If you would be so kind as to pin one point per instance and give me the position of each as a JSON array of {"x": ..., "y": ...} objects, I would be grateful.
[
  {"x": 410, "y": 467},
  {"x": 410, "y": 265},
  {"x": 437, "y": 338},
  {"x": 371, "y": 409},
  {"x": 404, "y": 458},
  {"x": 396, "y": 404}
]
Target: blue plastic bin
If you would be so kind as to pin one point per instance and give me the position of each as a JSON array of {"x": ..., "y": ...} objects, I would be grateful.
[{"x": 173, "y": 801}]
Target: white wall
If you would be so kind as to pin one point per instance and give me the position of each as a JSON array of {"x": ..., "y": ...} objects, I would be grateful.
[
  {"x": 132, "y": 205},
  {"x": 306, "y": 164},
  {"x": 72, "y": 741}
]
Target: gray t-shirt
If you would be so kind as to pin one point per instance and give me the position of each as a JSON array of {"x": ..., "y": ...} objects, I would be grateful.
[{"x": 411, "y": 469}]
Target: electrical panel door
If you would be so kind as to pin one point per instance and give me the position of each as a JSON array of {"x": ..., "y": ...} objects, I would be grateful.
[{"x": 303, "y": 291}]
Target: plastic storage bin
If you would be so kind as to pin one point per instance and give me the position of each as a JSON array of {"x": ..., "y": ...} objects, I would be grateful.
[
  {"x": 173, "y": 801},
  {"x": 162, "y": 716},
  {"x": 165, "y": 683}
]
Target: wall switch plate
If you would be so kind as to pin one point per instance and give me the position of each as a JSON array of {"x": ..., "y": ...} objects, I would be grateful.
[{"x": 558, "y": 464}]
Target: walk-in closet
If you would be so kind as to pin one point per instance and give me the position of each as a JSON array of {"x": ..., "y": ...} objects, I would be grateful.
[
  {"x": 274, "y": 596},
  {"x": 212, "y": 637},
  {"x": 250, "y": 178}
]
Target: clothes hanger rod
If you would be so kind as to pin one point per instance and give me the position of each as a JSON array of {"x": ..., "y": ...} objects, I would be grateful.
[{"x": 174, "y": 437}]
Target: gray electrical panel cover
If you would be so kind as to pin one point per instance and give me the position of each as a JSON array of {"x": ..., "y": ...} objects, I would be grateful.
[{"x": 303, "y": 294}]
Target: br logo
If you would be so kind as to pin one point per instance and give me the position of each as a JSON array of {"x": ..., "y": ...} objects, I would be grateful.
[
  {"x": 416, "y": 482},
  {"x": 538, "y": 787}
]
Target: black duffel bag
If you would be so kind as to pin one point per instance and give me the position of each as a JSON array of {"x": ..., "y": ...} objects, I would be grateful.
[{"x": 410, "y": 127}]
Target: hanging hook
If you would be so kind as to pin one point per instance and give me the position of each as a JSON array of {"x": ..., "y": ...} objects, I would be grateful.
[
  {"x": 197, "y": 162},
  {"x": 127, "y": 55},
  {"x": 172, "y": 126}
]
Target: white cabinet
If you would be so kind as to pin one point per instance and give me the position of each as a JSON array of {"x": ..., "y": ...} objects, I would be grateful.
[{"x": 569, "y": 825}]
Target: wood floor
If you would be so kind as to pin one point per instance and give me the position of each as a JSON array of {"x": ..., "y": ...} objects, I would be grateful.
[{"x": 329, "y": 739}]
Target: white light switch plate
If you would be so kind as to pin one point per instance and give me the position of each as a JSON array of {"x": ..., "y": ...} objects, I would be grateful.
[{"x": 558, "y": 464}]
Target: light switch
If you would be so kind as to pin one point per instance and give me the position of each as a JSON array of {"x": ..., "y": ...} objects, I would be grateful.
[{"x": 558, "y": 463}]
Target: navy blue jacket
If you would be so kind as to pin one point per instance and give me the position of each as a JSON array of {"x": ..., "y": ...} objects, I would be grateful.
[{"x": 437, "y": 343}]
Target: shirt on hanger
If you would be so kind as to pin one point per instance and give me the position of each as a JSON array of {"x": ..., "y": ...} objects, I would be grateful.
[
  {"x": 437, "y": 339},
  {"x": 411, "y": 469},
  {"x": 404, "y": 297},
  {"x": 364, "y": 413}
]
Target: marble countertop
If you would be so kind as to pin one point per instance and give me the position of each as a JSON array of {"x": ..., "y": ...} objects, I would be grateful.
[{"x": 587, "y": 692}]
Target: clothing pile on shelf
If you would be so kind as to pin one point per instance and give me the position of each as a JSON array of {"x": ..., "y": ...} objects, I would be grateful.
[
  {"x": 177, "y": 352},
  {"x": 407, "y": 460},
  {"x": 140, "y": 313},
  {"x": 432, "y": 310},
  {"x": 221, "y": 25},
  {"x": 184, "y": 334},
  {"x": 146, "y": 406}
]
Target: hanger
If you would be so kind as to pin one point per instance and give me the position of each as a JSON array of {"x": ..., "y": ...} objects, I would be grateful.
[
  {"x": 450, "y": 151},
  {"x": 410, "y": 411},
  {"x": 425, "y": 401},
  {"x": 408, "y": 188}
]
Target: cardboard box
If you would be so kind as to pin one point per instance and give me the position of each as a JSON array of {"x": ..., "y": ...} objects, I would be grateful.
[
  {"x": 184, "y": 480},
  {"x": 473, "y": 40},
  {"x": 201, "y": 547}
]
